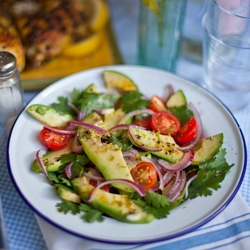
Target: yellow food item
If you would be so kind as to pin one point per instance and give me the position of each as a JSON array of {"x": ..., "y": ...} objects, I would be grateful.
[
  {"x": 84, "y": 47},
  {"x": 118, "y": 81},
  {"x": 100, "y": 15},
  {"x": 62, "y": 66}
]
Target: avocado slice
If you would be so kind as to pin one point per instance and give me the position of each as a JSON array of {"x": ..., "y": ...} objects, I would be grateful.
[
  {"x": 49, "y": 116},
  {"x": 118, "y": 81},
  {"x": 207, "y": 148},
  {"x": 92, "y": 88},
  {"x": 113, "y": 118},
  {"x": 178, "y": 99},
  {"x": 68, "y": 195},
  {"x": 116, "y": 206},
  {"x": 108, "y": 158},
  {"x": 51, "y": 159},
  {"x": 150, "y": 139}
]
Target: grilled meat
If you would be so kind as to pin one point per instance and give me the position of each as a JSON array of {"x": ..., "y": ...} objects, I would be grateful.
[
  {"x": 42, "y": 40},
  {"x": 9, "y": 39},
  {"x": 48, "y": 26}
]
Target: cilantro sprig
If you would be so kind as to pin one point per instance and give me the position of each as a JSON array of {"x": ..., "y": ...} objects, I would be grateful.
[
  {"x": 85, "y": 101},
  {"x": 133, "y": 100},
  {"x": 87, "y": 213},
  {"x": 154, "y": 203},
  {"x": 210, "y": 175},
  {"x": 182, "y": 113}
]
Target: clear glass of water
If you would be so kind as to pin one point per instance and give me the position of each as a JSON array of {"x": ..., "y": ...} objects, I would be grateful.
[{"x": 226, "y": 52}]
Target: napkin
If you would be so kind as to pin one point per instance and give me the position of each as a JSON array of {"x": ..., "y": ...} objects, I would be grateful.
[{"x": 229, "y": 230}]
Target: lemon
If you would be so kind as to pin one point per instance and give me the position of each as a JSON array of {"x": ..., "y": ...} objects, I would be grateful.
[
  {"x": 100, "y": 15},
  {"x": 118, "y": 81},
  {"x": 84, "y": 47}
]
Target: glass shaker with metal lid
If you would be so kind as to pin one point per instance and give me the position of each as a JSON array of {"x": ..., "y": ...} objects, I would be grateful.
[{"x": 11, "y": 92}]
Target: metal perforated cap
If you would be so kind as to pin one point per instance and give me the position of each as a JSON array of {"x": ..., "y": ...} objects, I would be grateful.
[{"x": 7, "y": 63}]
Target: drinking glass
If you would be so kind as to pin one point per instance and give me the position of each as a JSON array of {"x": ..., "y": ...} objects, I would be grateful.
[
  {"x": 191, "y": 36},
  {"x": 160, "y": 23},
  {"x": 226, "y": 52}
]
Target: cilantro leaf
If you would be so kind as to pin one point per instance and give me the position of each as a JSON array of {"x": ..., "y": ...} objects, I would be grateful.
[
  {"x": 53, "y": 177},
  {"x": 68, "y": 188},
  {"x": 78, "y": 162},
  {"x": 67, "y": 206},
  {"x": 75, "y": 96},
  {"x": 91, "y": 214},
  {"x": 158, "y": 213},
  {"x": 153, "y": 203},
  {"x": 85, "y": 207},
  {"x": 62, "y": 106},
  {"x": 92, "y": 101},
  {"x": 67, "y": 158},
  {"x": 218, "y": 163},
  {"x": 156, "y": 200},
  {"x": 182, "y": 113},
  {"x": 210, "y": 175},
  {"x": 132, "y": 101},
  {"x": 63, "y": 179}
]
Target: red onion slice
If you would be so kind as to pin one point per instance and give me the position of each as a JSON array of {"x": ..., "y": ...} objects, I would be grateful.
[
  {"x": 176, "y": 184},
  {"x": 184, "y": 162},
  {"x": 137, "y": 142},
  {"x": 131, "y": 153},
  {"x": 80, "y": 113},
  {"x": 70, "y": 104},
  {"x": 131, "y": 157},
  {"x": 187, "y": 185},
  {"x": 76, "y": 146},
  {"x": 70, "y": 127},
  {"x": 67, "y": 170},
  {"x": 60, "y": 131},
  {"x": 199, "y": 128},
  {"x": 179, "y": 188},
  {"x": 167, "y": 177},
  {"x": 39, "y": 155},
  {"x": 132, "y": 184},
  {"x": 89, "y": 125},
  {"x": 135, "y": 112},
  {"x": 119, "y": 127},
  {"x": 169, "y": 90},
  {"x": 94, "y": 177}
]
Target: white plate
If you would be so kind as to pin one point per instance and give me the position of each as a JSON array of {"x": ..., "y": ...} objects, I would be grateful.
[{"x": 41, "y": 197}]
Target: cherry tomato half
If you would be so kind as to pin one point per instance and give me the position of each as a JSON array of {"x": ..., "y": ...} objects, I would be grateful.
[
  {"x": 52, "y": 140},
  {"x": 187, "y": 133},
  {"x": 144, "y": 174},
  {"x": 165, "y": 123},
  {"x": 144, "y": 122},
  {"x": 157, "y": 104}
]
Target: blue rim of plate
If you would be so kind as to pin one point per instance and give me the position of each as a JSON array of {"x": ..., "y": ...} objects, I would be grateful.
[{"x": 156, "y": 239}]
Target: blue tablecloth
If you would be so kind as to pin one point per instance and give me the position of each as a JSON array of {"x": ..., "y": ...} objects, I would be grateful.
[{"x": 22, "y": 228}]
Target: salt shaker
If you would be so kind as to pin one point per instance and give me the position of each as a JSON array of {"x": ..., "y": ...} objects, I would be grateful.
[{"x": 11, "y": 92}]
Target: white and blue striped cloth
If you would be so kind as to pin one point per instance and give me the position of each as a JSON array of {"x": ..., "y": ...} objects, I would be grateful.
[{"x": 230, "y": 230}]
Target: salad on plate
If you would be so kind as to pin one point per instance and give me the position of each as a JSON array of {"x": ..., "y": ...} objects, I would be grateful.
[{"x": 124, "y": 155}]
